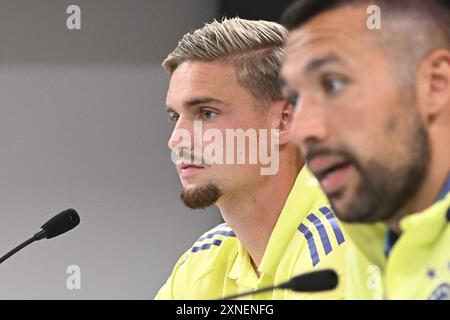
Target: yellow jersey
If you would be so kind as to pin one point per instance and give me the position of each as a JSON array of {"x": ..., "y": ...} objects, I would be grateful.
[
  {"x": 418, "y": 264},
  {"x": 306, "y": 237}
]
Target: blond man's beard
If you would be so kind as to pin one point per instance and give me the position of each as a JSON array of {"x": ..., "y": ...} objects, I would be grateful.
[{"x": 202, "y": 196}]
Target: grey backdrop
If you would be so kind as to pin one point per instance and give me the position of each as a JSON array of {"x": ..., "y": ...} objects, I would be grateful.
[{"x": 82, "y": 125}]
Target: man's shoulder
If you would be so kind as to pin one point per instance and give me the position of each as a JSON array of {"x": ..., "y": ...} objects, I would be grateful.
[
  {"x": 213, "y": 238},
  {"x": 216, "y": 246},
  {"x": 324, "y": 237}
]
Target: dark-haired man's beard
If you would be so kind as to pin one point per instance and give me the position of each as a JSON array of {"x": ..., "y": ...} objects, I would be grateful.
[
  {"x": 202, "y": 196},
  {"x": 384, "y": 190}
]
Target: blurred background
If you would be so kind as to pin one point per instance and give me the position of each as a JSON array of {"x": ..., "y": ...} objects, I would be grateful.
[{"x": 83, "y": 125}]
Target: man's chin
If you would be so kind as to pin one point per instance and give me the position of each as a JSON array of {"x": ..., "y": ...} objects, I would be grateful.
[
  {"x": 343, "y": 205},
  {"x": 352, "y": 209},
  {"x": 338, "y": 207},
  {"x": 200, "y": 197},
  {"x": 189, "y": 185}
]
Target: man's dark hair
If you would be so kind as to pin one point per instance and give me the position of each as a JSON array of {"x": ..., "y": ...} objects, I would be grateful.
[
  {"x": 425, "y": 27},
  {"x": 302, "y": 11}
]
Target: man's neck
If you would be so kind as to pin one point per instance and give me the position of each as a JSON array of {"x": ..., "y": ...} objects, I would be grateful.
[{"x": 253, "y": 213}]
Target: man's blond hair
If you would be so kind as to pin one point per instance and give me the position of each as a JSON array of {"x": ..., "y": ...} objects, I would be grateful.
[{"x": 255, "y": 48}]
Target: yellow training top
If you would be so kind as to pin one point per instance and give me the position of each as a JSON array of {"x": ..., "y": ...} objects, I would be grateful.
[
  {"x": 416, "y": 266},
  {"x": 307, "y": 237}
]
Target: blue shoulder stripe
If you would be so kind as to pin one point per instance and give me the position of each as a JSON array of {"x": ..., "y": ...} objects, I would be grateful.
[
  {"x": 219, "y": 232},
  {"x": 206, "y": 246},
  {"x": 322, "y": 232},
  {"x": 332, "y": 220},
  {"x": 311, "y": 243},
  {"x": 325, "y": 240},
  {"x": 211, "y": 235}
]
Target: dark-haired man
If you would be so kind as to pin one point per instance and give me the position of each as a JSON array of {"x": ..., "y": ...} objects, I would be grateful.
[{"x": 373, "y": 120}]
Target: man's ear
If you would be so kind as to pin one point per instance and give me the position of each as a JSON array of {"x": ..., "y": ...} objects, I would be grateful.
[
  {"x": 283, "y": 117},
  {"x": 433, "y": 84}
]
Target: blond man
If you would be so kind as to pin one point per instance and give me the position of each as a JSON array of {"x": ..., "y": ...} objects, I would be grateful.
[{"x": 224, "y": 76}]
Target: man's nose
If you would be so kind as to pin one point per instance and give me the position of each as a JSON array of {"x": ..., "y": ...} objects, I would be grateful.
[
  {"x": 309, "y": 124},
  {"x": 182, "y": 134}
]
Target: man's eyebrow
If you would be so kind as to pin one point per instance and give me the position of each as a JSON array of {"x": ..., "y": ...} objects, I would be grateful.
[
  {"x": 197, "y": 101},
  {"x": 169, "y": 109},
  {"x": 201, "y": 100},
  {"x": 319, "y": 62}
]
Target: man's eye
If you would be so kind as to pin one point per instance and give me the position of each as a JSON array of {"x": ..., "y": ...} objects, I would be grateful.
[
  {"x": 208, "y": 114},
  {"x": 173, "y": 117},
  {"x": 333, "y": 85}
]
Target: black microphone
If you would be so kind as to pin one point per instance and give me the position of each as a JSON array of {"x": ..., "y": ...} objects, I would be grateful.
[
  {"x": 59, "y": 224},
  {"x": 308, "y": 282}
]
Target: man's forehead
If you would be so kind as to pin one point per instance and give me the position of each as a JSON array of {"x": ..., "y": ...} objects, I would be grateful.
[
  {"x": 202, "y": 72},
  {"x": 333, "y": 36},
  {"x": 338, "y": 25},
  {"x": 194, "y": 79},
  {"x": 201, "y": 75}
]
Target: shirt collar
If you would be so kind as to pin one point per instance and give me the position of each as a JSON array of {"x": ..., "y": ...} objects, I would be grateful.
[
  {"x": 303, "y": 197},
  {"x": 445, "y": 189},
  {"x": 444, "y": 192},
  {"x": 242, "y": 270},
  {"x": 392, "y": 237}
]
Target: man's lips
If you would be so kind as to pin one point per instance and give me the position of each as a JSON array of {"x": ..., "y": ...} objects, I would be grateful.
[
  {"x": 186, "y": 169},
  {"x": 187, "y": 165},
  {"x": 331, "y": 171}
]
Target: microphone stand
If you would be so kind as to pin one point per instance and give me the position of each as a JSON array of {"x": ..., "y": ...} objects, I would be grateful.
[
  {"x": 38, "y": 236},
  {"x": 240, "y": 295}
]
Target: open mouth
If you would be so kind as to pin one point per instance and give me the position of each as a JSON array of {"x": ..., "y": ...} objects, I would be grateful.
[
  {"x": 332, "y": 176},
  {"x": 332, "y": 169}
]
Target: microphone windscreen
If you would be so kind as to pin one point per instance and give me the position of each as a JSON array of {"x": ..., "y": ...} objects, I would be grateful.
[
  {"x": 313, "y": 282},
  {"x": 61, "y": 223}
]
